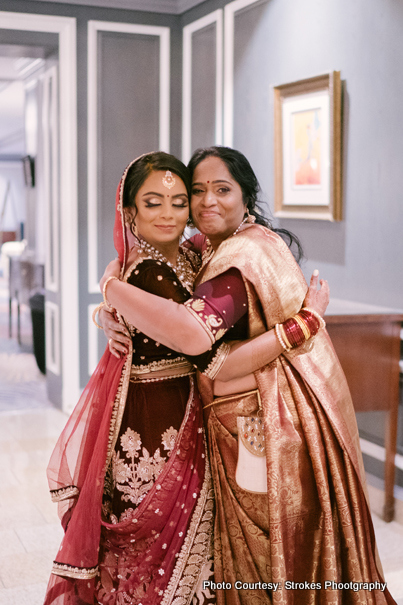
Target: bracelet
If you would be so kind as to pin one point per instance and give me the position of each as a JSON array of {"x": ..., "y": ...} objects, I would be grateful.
[
  {"x": 280, "y": 338},
  {"x": 94, "y": 314},
  {"x": 107, "y": 305},
  {"x": 320, "y": 319},
  {"x": 293, "y": 332}
]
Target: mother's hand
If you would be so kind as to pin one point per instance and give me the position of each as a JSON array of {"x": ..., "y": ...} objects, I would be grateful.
[
  {"x": 315, "y": 299},
  {"x": 112, "y": 270},
  {"x": 116, "y": 333}
]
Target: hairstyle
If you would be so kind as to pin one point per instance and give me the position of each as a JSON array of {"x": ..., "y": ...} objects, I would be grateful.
[
  {"x": 144, "y": 166},
  {"x": 242, "y": 172}
]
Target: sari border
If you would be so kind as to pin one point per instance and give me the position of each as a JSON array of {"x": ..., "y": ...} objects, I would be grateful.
[
  {"x": 184, "y": 577},
  {"x": 78, "y": 573}
]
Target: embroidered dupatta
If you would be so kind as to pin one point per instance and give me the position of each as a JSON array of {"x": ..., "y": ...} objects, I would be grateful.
[
  {"x": 317, "y": 525},
  {"x": 177, "y": 543}
]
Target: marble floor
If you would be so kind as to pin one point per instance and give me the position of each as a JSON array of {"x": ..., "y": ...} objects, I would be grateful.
[{"x": 29, "y": 529}]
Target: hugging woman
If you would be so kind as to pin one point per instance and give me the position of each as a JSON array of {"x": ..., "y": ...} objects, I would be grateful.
[{"x": 291, "y": 501}]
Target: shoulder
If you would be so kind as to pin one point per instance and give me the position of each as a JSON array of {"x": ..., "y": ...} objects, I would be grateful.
[{"x": 144, "y": 268}]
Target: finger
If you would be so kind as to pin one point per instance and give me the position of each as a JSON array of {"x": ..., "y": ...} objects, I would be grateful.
[
  {"x": 314, "y": 280},
  {"x": 112, "y": 349}
]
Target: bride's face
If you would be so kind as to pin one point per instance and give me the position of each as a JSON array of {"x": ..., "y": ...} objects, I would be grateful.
[{"x": 160, "y": 212}]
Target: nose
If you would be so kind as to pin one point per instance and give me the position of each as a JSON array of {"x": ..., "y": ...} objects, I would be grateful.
[
  {"x": 167, "y": 211},
  {"x": 209, "y": 198}
]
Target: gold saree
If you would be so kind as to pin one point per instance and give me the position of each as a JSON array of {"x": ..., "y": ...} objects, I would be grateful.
[{"x": 309, "y": 539}]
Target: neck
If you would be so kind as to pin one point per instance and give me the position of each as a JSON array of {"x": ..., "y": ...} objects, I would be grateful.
[{"x": 168, "y": 249}]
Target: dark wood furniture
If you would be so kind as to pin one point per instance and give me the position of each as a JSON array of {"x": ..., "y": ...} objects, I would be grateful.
[
  {"x": 367, "y": 341},
  {"x": 25, "y": 276}
]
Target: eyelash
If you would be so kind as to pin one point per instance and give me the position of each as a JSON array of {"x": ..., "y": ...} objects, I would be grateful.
[{"x": 150, "y": 205}]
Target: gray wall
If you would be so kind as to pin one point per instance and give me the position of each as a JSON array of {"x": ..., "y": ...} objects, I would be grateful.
[
  {"x": 117, "y": 144},
  {"x": 281, "y": 41}
]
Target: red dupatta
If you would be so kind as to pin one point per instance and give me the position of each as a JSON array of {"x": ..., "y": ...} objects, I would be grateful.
[{"x": 77, "y": 466}]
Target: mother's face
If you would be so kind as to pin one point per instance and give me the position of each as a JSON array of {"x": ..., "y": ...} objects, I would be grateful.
[{"x": 216, "y": 204}]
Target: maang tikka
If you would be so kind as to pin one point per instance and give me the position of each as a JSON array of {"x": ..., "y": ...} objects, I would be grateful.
[{"x": 168, "y": 180}]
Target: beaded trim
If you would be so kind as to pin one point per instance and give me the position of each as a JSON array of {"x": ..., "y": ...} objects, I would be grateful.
[
  {"x": 64, "y": 493},
  {"x": 169, "y": 377},
  {"x": 79, "y": 573},
  {"x": 218, "y": 360},
  {"x": 183, "y": 269}
]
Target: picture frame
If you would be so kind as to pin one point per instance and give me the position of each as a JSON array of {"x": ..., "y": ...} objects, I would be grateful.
[{"x": 308, "y": 148}]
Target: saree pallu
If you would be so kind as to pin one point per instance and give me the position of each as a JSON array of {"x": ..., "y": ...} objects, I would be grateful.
[{"x": 313, "y": 525}]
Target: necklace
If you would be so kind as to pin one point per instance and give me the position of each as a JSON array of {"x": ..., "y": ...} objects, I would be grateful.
[
  {"x": 183, "y": 268},
  {"x": 209, "y": 251}
]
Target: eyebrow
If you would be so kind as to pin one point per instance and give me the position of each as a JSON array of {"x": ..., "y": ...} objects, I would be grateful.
[
  {"x": 213, "y": 182},
  {"x": 177, "y": 195}
]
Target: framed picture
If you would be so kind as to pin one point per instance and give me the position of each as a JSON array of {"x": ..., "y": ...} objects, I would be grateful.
[{"x": 307, "y": 148}]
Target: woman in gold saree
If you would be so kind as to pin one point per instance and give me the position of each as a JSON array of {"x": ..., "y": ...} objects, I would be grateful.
[{"x": 303, "y": 532}]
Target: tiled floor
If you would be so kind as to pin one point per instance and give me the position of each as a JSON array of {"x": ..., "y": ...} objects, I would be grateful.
[{"x": 30, "y": 532}]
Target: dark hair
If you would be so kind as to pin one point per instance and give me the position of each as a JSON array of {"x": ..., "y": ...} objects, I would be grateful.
[
  {"x": 242, "y": 172},
  {"x": 145, "y": 165}
]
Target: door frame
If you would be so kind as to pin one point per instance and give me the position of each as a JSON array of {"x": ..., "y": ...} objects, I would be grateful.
[{"x": 66, "y": 29}]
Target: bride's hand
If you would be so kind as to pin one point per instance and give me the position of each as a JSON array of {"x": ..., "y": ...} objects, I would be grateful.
[
  {"x": 315, "y": 299},
  {"x": 112, "y": 270},
  {"x": 116, "y": 333}
]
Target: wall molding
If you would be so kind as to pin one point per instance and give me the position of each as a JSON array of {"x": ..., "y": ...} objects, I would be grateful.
[
  {"x": 52, "y": 336},
  {"x": 51, "y": 166},
  {"x": 93, "y": 333},
  {"x": 188, "y": 31},
  {"x": 174, "y": 7},
  {"x": 164, "y": 83},
  {"x": 229, "y": 27},
  {"x": 65, "y": 27}
]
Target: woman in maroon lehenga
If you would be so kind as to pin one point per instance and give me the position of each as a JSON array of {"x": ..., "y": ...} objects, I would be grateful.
[{"x": 130, "y": 471}]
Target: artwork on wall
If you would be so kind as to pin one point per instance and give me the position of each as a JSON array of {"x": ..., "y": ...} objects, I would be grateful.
[{"x": 307, "y": 148}]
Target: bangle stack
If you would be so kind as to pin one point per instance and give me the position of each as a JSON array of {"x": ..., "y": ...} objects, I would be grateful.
[
  {"x": 293, "y": 332},
  {"x": 108, "y": 281}
]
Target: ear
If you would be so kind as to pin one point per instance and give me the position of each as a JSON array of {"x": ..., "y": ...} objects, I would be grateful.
[{"x": 129, "y": 214}]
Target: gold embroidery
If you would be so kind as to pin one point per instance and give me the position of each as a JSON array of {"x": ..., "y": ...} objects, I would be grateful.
[
  {"x": 213, "y": 321},
  {"x": 218, "y": 360},
  {"x": 64, "y": 493},
  {"x": 135, "y": 478},
  {"x": 197, "y": 304},
  {"x": 220, "y": 333},
  {"x": 196, "y": 548},
  {"x": 200, "y": 321},
  {"x": 81, "y": 573}
]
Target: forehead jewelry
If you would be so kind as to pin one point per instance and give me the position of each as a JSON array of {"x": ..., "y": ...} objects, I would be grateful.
[{"x": 168, "y": 180}]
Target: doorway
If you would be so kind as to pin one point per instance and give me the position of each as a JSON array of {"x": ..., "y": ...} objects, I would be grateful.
[{"x": 57, "y": 246}]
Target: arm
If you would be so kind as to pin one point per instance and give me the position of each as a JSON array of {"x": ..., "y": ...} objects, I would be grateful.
[
  {"x": 248, "y": 356},
  {"x": 192, "y": 328},
  {"x": 163, "y": 320}
]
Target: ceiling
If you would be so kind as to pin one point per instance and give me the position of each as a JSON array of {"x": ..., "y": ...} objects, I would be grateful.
[{"x": 175, "y": 7}]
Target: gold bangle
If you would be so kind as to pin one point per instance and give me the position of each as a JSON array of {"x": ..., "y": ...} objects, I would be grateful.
[
  {"x": 107, "y": 305},
  {"x": 94, "y": 314},
  {"x": 279, "y": 337},
  {"x": 303, "y": 326},
  {"x": 318, "y": 317}
]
